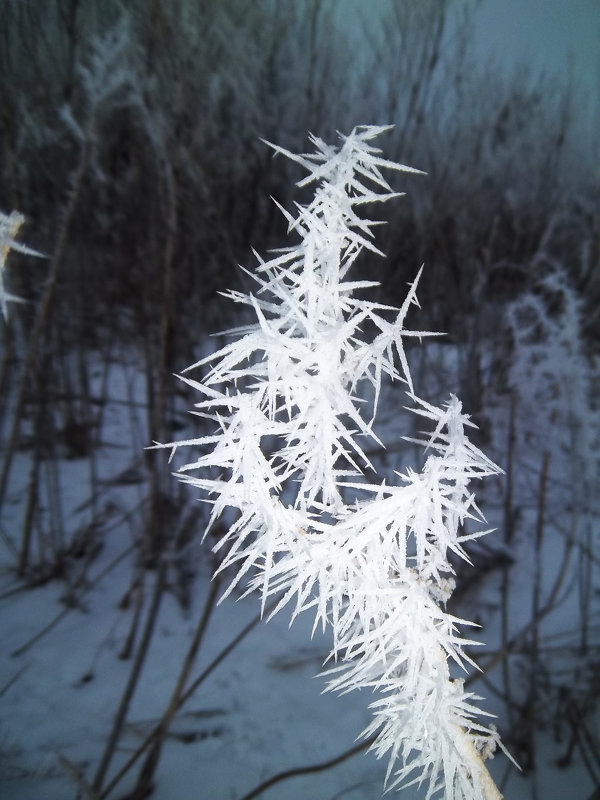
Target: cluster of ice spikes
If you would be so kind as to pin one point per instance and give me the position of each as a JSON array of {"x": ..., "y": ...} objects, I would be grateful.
[{"x": 371, "y": 560}]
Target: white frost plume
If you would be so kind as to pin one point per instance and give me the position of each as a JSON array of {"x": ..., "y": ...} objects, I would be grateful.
[{"x": 313, "y": 525}]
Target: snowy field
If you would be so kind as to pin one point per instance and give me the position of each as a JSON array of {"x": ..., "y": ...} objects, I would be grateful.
[{"x": 260, "y": 712}]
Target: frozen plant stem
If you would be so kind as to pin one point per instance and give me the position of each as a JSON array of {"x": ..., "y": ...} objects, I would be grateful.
[
  {"x": 9, "y": 228},
  {"x": 288, "y": 399},
  {"x": 41, "y": 317}
]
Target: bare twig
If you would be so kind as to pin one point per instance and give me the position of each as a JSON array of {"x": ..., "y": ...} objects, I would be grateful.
[
  {"x": 183, "y": 699},
  {"x": 133, "y": 677},
  {"x": 310, "y": 768},
  {"x": 143, "y": 786},
  {"x": 47, "y": 628},
  {"x": 78, "y": 777},
  {"x": 12, "y": 680}
]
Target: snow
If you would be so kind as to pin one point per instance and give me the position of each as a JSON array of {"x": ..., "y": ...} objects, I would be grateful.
[{"x": 260, "y": 712}]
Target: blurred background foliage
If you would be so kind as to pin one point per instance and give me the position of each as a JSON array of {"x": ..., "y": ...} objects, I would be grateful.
[{"x": 167, "y": 104}]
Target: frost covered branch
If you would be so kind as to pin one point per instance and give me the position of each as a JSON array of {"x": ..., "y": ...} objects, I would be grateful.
[
  {"x": 311, "y": 524},
  {"x": 9, "y": 228}
]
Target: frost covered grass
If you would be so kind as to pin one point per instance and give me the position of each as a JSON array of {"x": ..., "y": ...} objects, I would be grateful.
[{"x": 312, "y": 524}]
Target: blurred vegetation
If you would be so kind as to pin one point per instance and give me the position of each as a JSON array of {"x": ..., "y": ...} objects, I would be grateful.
[{"x": 169, "y": 102}]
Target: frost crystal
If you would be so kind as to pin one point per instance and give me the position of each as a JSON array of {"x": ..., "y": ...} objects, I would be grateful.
[{"x": 287, "y": 454}]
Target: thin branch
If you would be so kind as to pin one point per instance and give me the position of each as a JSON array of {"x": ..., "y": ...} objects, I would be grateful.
[
  {"x": 182, "y": 700},
  {"x": 309, "y": 769},
  {"x": 47, "y": 628}
]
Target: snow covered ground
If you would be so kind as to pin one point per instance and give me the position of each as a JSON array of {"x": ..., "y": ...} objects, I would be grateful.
[{"x": 260, "y": 712}]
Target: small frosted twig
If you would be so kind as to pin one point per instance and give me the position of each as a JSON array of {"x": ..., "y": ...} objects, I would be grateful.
[{"x": 9, "y": 228}]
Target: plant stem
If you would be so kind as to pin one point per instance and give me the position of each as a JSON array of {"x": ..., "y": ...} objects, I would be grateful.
[
  {"x": 143, "y": 786},
  {"x": 307, "y": 770},
  {"x": 133, "y": 677},
  {"x": 184, "y": 698},
  {"x": 42, "y": 315}
]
